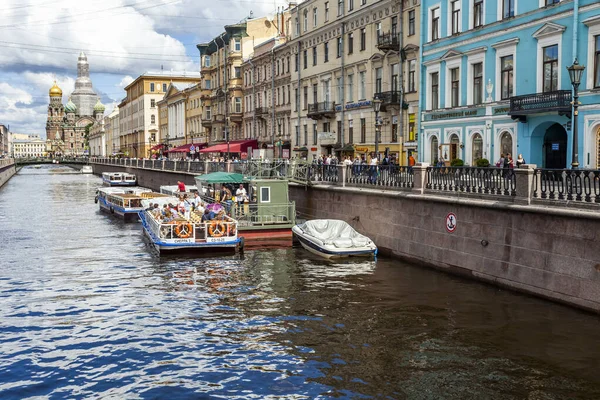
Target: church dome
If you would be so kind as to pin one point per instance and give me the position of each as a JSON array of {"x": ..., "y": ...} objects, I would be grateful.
[
  {"x": 55, "y": 90},
  {"x": 99, "y": 107},
  {"x": 70, "y": 107}
]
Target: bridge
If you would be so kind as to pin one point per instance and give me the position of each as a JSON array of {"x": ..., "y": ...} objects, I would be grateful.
[
  {"x": 529, "y": 229},
  {"x": 42, "y": 160}
]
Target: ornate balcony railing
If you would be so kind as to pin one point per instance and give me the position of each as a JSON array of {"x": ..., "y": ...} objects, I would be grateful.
[
  {"x": 565, "y": 184},
  {"x": 318, "y": 110},
  {"x": 559, "y": 101},
  {"x": 388, "y": 41},
  {"x": 495, "y": 181},
  {"x": 389, "y": 176}
]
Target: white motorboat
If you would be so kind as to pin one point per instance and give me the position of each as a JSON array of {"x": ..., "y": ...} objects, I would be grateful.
[
  {"x": 332, "y": 238},
  {"x": 87, "y": 169},
  {"x": 187, "y": 232},
  {"x": 173, "y": 190},
  {"x": 118, "y": 179},
  {"x": 124, "y": 202}
]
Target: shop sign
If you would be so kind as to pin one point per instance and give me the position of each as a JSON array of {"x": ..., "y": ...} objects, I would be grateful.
[
  {"x": 326, "y": 138},
  {"x": 502, "y": 110},
  {"x": 466, "y": 113},
  {"x": 313, "y": 149},
  {"x": 410, "y": 144},
  {"x": 362, "y": 149},
  {"x": 350, "y": 106},
  {"x": 285, "y": 153}
]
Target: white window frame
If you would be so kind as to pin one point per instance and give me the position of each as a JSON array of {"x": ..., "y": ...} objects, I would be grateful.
[
  {"x": 268, "y": 189},
  {"x": 450, "y": 65},
  {"x": 543, "y": 3},
  {"x": 430, "y": 70},
  {"x": 350, "y": 97},
  {"x": 305, "y": 20},
  {"x": 362, "y": 85},
  {"x": 470, "y": 13},
  {"x": 430, "y": 20},
  {"x": 326, "y": 11},
  {"x": 472, "y": 131},
  {"x": 503, "y": 49},
  {"x": 315, "y": 17},
  {"x": 429, "y": 134},
  {"x": 550, "y": 40},
  {"x": 500, "y": 16},
  {"x": 471, "y": 60},
  {"x": 593, "y": 30},
  {"x": 460, "y": 17},
  {"x": 499, "y": 129}
]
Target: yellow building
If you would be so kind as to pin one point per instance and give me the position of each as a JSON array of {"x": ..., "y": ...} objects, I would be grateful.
[{"x": 138, "y": 111}]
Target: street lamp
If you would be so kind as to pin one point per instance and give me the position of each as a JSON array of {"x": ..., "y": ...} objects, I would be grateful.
[
  {"x": 377, "y": 107},
  {"x": 575, "y": 72}
]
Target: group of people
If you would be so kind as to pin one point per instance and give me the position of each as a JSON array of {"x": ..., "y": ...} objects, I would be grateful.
[{"x": 506, "y": 161}]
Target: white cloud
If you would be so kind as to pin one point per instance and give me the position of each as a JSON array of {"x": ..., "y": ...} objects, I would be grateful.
[
  {"x": 127, "y": 79},
  {"x": 10, "y": 96}
]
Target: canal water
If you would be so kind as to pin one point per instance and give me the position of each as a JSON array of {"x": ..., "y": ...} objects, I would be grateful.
[{"x": 86, "y": 311}]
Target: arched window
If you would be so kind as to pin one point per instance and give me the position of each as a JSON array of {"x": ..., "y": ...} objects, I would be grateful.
[
  {"x": 476, "y": 147},
  {"x": 598, "y": 147},
  {"x": 305, "y": 20},
  {"x": 506, "y": 143},
  {"x": 454, "y": 143},
  {"x": 434, "y": 150}
]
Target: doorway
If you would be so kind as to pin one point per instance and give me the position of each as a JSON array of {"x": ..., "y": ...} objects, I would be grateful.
[
  {"x": 454, "y": 143},
  {"x": 555, "y": 147}
]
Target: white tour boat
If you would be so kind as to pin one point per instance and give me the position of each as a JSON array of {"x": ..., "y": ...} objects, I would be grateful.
[
  {"x": 87, "y": 169},
  {"x": 118, "y": 179},
  {"x": 188, "y": 232},
  {"x": 332, "y": 238},
  {"x": 173, "y": 190},
  {"x": 124, "y": 202}
]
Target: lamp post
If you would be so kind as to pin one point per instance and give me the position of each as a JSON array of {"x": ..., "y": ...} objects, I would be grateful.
[
  {"x": 377, "y": 107},
  {"x": 575, "y": 72}
]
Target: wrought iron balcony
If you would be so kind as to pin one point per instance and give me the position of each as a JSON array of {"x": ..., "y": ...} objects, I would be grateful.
[
  {"x": 388, "y": 41},
  {"x": 261, "y": 110},
  {"x": 389, "y": 99},
  {"x": 557, "y": 101},
  {"x": 320, "y": 110}
]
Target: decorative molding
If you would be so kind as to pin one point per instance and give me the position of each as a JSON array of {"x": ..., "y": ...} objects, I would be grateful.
[
  {"x": 505, "y": 43},
  {"x": 549, "y": 29}
]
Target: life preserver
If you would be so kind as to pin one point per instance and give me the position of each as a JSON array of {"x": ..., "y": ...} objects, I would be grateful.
[
  {"x": 184, "y": 230},
  {"x": 216, "y": 229}
]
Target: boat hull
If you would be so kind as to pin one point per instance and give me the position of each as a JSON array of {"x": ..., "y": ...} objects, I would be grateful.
[
  {"x": 125, "y": 214},
  {"x": 109, "y": 183},
  {"x": 330, "y": 253}
]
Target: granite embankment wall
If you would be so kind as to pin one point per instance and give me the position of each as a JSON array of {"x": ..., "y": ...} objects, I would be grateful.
[
  {"x": 7, "y": 170},
  {"x": 549, "y": 252}
]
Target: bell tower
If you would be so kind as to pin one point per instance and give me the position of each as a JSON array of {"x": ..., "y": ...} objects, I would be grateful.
[{"x": 56, "y": 111}]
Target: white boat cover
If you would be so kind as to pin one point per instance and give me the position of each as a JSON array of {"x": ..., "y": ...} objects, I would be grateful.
[{"x": 334, "y": 232}]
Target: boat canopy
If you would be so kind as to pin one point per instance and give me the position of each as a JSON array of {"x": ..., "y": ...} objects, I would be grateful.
[
  {"x": 221, "y": 177},
  {"x": 334, "y": 232}
]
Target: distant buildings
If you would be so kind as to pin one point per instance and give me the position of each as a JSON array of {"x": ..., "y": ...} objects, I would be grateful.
[
  {"x": 4, "y": 140},
  {"x": 24, "y": 145}
]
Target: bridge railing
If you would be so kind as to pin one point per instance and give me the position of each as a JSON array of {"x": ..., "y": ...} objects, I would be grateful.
[
  {"x": 495, "y": 181},
  {"x": 578, "y": 185},
  {"x": 5, "y": 162}
]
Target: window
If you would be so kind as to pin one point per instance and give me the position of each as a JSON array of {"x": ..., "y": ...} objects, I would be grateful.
[
  {"x": 395, "y": 131},
  {"x": 455, "y": 86},
  {"x": 315, "y": 17},
  {"x": 550, "y": 2},
  {"x": 455, "y": 9},
  {"x": 394, "y": 27},
  {"x": 506, "y": 68},
  {"x": 362, "y": 88},
  {"x": 305, "y": 20},
  {"x": 207, "y": 61},
  {"x": 315, "y": 96},
  {"x": 164, "y": 87},
  {"x": 551, "y": 68},
  {"x": 265, "y": 194},
  {"x": 314, "y": 55},
  {"x": 477, "y": 147},
  {"x": 305, "y": 57},
  {"x": 477, "y": 83},
  {"x": 314, "y": 134},
  {"x": 363, "y": 2},
  {"x": 378, "y": 30},
  {"x": 297, "y": 136},
  {"x": 152, "y": 87},
  {"x": 237, "y": 44},
  {"x": 435, "y": 24},
  {"x": 339, "y": 131},
  {"x": 296, "y": 62},
  {"x": 411, "y": 22},
  {"x": 238, "y": 105},
  {"x": 350, "y": 132},
  {"x": 395, "y": 78},
  {"x": 350, "y": 87},
  {"x": 340, "y": 7},
  {"x": 411, "y": 128},
  {"x": 340, "y": 90},
  {"x": 363, "y": 130},
  {"x": 434, "y": 150},
  {"x": 339, "y": 47},
  {"x": 297, "y": 26},
  {"x": 326, "y": 52},
  {"x": 363, "y": 39},
  {"x": 378, "y": 79},
  {"x": 435, "y": 82},
  {"x": 305, "y": 134},
  {"x": 327, "y": 89},
  {"x": 153, "y": 119},
  {"x": 350, "y": 43},
  {"x": 412, "y": 68},
  {"x": 478, "y": 13},
  {"x": 326, "y": 11},
  {"x": 237, "y": 72},
  {"x": 350, "y": 5},
  {"x": 597, "y": 62},
  {"x": 508, "y": 8},
  {"x": 305, "y": 105},
  {"x": 296, "y": 99},
  {"x": 207, "y": 84},
  {"x": 152, "y": 103}
]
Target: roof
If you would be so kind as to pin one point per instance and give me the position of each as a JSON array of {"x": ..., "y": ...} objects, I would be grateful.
[
  {"x": 166, "y": 74},
  {"x": 220, "y": 177}
]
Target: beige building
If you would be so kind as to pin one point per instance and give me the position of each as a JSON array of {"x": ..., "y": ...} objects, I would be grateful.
[
  {"x": 111, "y": 127},
  {"x": 138, "y": 112},
  {"x": 23, "y": 145},
  {"x": 222, "y": 83},
  {"x": 344, "y": 54}
]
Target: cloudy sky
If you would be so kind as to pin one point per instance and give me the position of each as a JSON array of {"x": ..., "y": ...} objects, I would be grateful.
[{"x": 41, "y": 39}]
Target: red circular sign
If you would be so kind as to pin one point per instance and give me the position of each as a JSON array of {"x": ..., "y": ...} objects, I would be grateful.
[{"x": 451, "y": 222}]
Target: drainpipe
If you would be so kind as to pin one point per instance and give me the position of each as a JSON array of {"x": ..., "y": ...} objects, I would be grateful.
[
  {"x": 343, "y": 47},
  {"x": 401, "y": 80},
  {"x": 273, "y": 99},
  {"x": 422, "y": 89},
  {"x": 575, "y": 27},
  {"x": 299, "y": 87}
]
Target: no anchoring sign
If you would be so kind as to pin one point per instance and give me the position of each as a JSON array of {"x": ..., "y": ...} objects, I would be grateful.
[{"x": 451, "y": 222}]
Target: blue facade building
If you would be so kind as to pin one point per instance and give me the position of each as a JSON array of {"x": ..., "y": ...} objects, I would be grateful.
[{"x": 494, "y": 80}]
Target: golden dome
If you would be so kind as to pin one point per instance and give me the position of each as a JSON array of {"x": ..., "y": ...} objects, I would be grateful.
[{"x": 55, "y": 90}]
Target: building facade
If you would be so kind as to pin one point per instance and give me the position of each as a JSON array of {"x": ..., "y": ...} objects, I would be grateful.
[
  {"x": 4, "y": 140},
  {"x": 24, "y": 146},
  {"x": 111, "y": 127},
  {"x": 221, "y": 68},
  {"x": 138, "y": 111},
  {"x": 495, "y": 80},
  {"x": 345, "y": 54}
]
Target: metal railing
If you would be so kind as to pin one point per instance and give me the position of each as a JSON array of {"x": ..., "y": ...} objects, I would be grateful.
[
  {"x": 4, "y": 162},
  {"x": 559, "y": 100},
  {"x": 199, "y": 229},
  {"x": 390, "y": 176},
  {"x": 495, "y": 181},
  {"x": 248, "y": 214},
  {"x": 388, "y": 40},
  {"x": 321, "y": 108},
  {"x": 570, "y": 185}
]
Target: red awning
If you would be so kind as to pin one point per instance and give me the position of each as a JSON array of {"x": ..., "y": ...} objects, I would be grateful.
[
  {"x": 186, "y": 148},
  {"x": 236, "y": 146},
  {"x": 157, "y": 147}
]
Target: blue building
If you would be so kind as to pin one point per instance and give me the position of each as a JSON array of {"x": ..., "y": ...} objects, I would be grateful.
[{"x": 495, "y": 80}]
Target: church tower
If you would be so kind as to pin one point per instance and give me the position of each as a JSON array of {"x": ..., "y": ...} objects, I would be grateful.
[
  {"x": 84, "y": 96},
  {"x": 56, "y": 111}
]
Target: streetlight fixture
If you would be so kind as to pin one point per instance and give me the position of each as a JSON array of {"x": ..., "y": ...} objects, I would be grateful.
[
  {"x": 377, "y": 107},
  {"x": 575, "y": 72}
]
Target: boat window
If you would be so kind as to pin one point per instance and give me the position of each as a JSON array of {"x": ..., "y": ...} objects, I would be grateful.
[{"x": 265, "y": 194}]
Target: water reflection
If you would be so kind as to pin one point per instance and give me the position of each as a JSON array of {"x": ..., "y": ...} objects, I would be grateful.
[{"x": 88, "y": 312}]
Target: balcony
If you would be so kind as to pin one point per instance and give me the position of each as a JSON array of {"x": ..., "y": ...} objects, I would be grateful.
[
  {"x": 236, "y": 116},
  {"x": 388, "y": 41},
  {"x": 558, "y": 101},
  {"x": 219, "y": 118},
  {"x": 319, "y": 110},
  {"x": 261, "y": 111},
  {"x": 389, "y": 99},
  {"x": 207, "y": 121}
]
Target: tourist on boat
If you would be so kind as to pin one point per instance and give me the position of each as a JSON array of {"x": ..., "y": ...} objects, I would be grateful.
[
  {"x": 196, "y": 201},
  {"x": 156, "y": 212},
  {"x": 180, "y": 186},
  {"x": 241, "y": 196},
  {"x": 227, "y": 198},
  {"x": 208, "y": 215}
]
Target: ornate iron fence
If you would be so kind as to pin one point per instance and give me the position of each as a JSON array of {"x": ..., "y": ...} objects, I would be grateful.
[
  {"x": 495, "y": 181},
  {"x": 566, "y": 184},
  {"x": 390, "y": 176}
]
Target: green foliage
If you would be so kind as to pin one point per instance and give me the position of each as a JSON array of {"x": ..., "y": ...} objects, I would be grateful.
[
  {"x": 482, "y": 163},
  {"x": 457, "y": 162}
]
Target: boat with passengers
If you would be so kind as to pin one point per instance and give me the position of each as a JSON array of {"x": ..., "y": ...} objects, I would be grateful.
[
  {"x": 173, "y": 190},
  {"x": 118, "y": 179},
  {"x": 125, "y": 202},
  {"x": 176, "y": 231}
]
